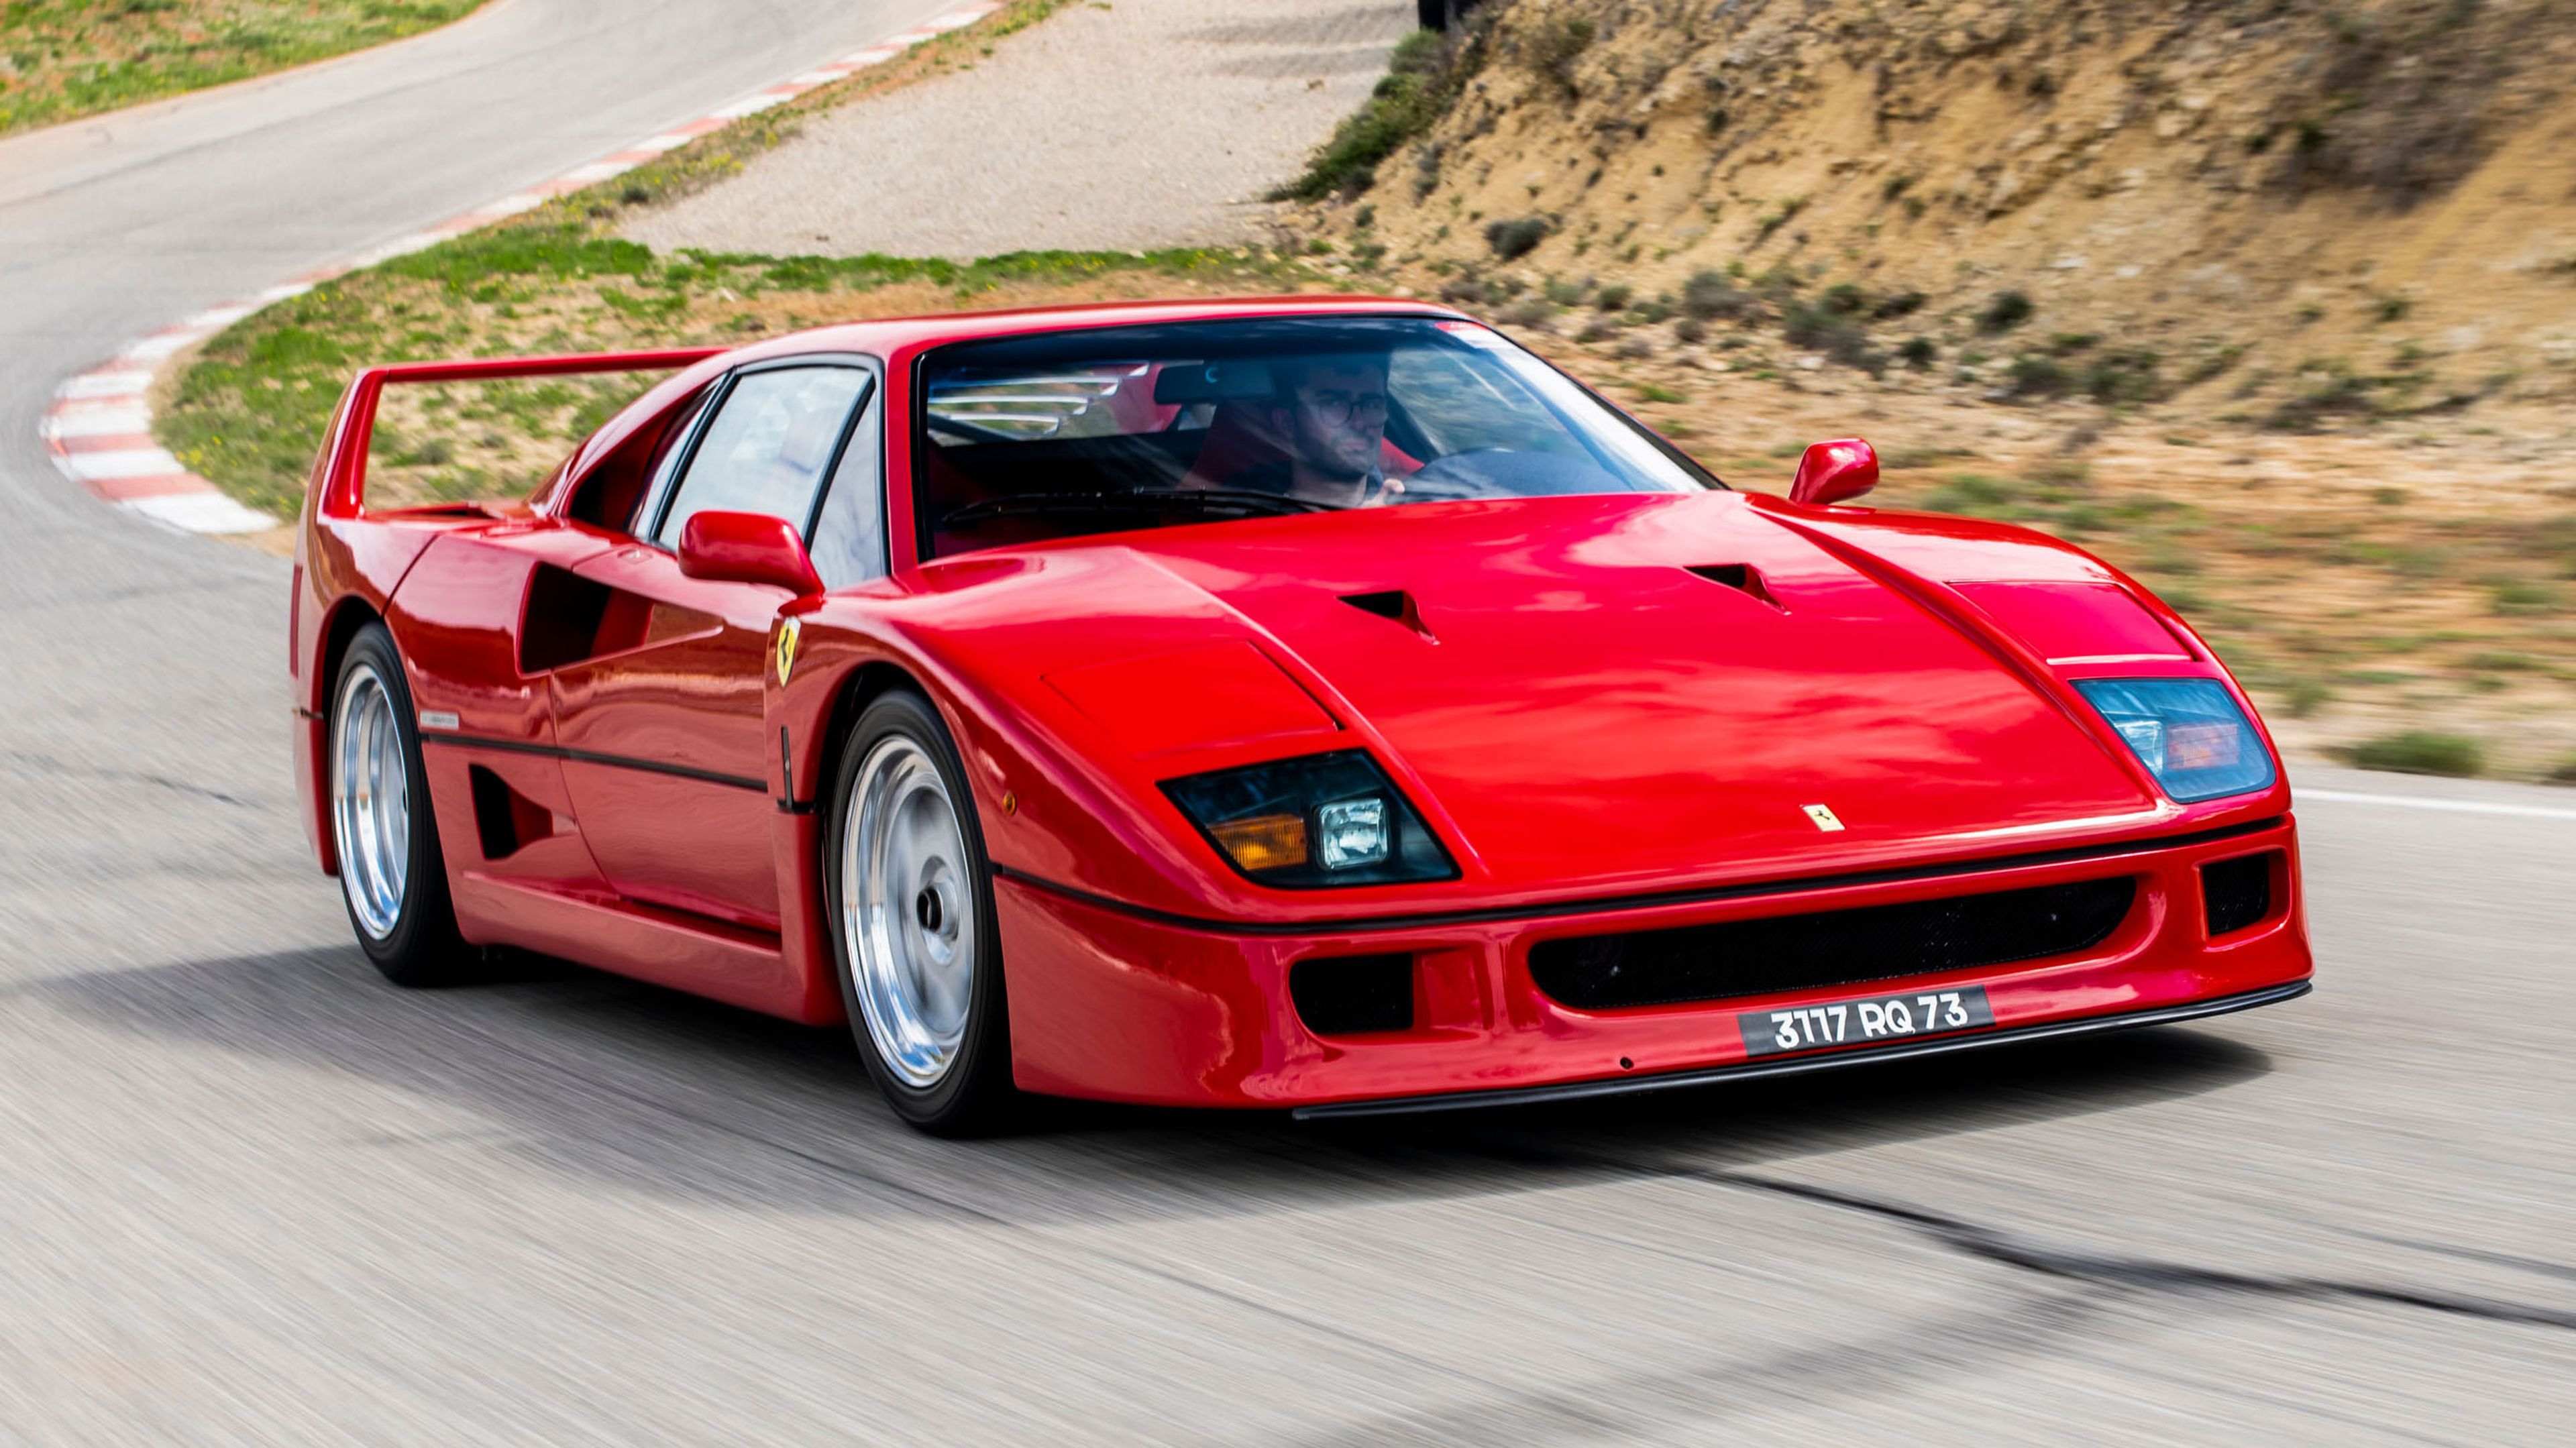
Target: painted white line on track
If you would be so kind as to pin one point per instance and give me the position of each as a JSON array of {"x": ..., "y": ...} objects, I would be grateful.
[
  {"x": 101, "y": 467},
  {"x": 120, "y": 420},
  {"x": 2416, "y": 801},
  {"x": 108, "y": 402},
  {"x": 201, "y": 513},
  {"x": 104, "y": 384}
]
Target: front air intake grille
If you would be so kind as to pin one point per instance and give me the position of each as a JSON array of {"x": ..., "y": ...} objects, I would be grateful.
[
  {"x": 1832, "y": 947},
  {"x": 1353, "y": 995},
  {"x": 2237, "y": 893}
]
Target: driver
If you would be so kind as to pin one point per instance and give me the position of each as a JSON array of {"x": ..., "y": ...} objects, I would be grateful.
[{"x": 1328, "y": 412}]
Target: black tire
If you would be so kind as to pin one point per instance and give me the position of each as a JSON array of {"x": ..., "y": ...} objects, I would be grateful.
[
  {"x": 973, "y": 1095},
  {"x": 418, "y": 945}
]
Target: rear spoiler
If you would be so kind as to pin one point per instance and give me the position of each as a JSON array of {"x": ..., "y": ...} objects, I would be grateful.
[{"x": 338, "y": 487}]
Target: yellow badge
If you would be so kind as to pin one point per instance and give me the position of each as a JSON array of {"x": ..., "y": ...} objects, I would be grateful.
[
  {"x": 788, "y": 629},
  {"x": 1823, "y": 817}
]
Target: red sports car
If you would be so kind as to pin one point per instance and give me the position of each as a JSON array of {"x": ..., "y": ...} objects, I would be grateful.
[{"x": 1298, "y": 703}]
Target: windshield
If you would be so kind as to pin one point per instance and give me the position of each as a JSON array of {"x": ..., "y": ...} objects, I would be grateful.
[{"x": 1066, "y": 433}]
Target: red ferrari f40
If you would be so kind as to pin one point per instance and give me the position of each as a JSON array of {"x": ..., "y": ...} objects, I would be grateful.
[{"x": 1320, "y": 704}]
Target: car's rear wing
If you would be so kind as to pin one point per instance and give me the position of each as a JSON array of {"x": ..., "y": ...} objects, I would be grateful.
[{"x": 338, "y": 486}]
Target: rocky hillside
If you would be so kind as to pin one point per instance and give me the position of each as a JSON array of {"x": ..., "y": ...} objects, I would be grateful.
[{"x": 2319, "y": 210}]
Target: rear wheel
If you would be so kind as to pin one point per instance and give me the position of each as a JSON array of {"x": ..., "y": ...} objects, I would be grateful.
[
  {"x": 913, "y": 930},
  {"x": 391, "y": 874}
]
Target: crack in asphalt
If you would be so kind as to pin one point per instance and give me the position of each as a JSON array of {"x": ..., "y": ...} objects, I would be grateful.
[
  {"x": 46, "y": 765},
  {"x": 1912, "y": 1352},
  {"x": 2147, "y": 1273},
  {"x": 1993, "y": 1244}
]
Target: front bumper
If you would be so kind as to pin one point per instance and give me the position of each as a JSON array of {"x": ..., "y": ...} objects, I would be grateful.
[{"x": 1110, "y": 1004}]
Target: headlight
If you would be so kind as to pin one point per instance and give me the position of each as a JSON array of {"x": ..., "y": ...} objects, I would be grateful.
[
  {"x": 1304, "y": 824},
  {"x": 2188, "y": 732}
]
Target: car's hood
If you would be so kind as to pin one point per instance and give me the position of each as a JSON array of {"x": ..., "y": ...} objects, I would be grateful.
[{"x": 1584, "y": 707}]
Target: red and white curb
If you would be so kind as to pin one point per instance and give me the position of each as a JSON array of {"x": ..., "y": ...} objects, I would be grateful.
[{"x": 99, "y": 427}]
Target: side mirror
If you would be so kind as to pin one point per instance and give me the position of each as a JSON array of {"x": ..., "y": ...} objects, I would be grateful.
[
  {"x": 747, "y": 548},
  {"x": 1834, "y": 471}
]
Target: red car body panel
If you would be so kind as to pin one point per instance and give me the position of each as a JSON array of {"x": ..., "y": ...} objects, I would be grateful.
[{"x": 1604, "y": 739}]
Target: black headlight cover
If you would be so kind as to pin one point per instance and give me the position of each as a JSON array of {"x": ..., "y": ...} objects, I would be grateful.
[{"x": 1301, "y": 787}]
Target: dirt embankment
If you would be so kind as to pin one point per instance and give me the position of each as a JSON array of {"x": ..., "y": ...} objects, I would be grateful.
[
  {"x": 2284, "y": 190},
  {"x": 2272, "y": 303}
]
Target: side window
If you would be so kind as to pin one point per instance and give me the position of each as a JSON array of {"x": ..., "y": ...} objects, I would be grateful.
[
  {"x": 849, "y": 534},
  {"x": 667, "y": 455},
  {"x": 767, "y": 447}
]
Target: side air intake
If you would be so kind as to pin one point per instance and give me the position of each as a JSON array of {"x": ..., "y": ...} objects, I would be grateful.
[
  {"x": 2237, "y": 893},
  {"x": 1353, "y": 995}
]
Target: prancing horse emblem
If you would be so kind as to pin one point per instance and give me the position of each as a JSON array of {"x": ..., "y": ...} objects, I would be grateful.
[
  {"x": 1823, "y": 817},
  {"x": 788, "y": 629}
]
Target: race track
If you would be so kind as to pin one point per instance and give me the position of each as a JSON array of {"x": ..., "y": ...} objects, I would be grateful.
[{"x": 249, "y": 1193}]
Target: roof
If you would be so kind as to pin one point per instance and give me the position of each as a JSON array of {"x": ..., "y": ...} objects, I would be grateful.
[{"x": 887, "y": 335}]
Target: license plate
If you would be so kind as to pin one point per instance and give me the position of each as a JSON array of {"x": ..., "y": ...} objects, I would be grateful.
[{"x": 1855, "y": 1023}]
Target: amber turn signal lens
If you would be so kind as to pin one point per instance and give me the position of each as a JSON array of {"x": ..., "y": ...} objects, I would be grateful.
[{"x": 1264, "y": 842}]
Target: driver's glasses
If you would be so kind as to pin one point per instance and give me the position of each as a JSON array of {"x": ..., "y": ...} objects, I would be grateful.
[{"x": 1339, "y": 409}]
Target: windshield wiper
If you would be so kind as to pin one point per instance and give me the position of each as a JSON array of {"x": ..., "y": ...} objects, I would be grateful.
[{"x": 1235, "y": 502}]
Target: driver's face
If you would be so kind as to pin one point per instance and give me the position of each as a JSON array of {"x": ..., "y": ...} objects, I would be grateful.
[{"x": 1339, "y": 419}]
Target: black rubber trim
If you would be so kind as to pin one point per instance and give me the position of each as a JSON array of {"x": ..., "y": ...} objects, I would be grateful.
[
  {"x": 1796, "y": 1065},
  {"x": 1558, "y": 909},
  {"x": 585, "y": 756}
]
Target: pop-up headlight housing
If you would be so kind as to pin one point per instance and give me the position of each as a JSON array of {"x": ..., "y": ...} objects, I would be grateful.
[
  {"x": 2189, "y": 733},
  {"x": 1318, "y": 822}
]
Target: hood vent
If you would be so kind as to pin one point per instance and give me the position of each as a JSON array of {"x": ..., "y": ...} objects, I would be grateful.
[
  {"x": 1394, "y": 604},
  {"x": 1744, "y": 578}
]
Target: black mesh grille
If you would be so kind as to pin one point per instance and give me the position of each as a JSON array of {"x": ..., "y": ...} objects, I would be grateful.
[
  {"x": 1833, "y": 947},
  {"x": 1353, "y": 994},
  {"x": 2237, "y": 893}
]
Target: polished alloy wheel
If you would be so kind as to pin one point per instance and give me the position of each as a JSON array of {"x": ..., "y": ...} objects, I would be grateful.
[
  {"x": 908, "y": 912},
  {"x": 370, "y": 801}
]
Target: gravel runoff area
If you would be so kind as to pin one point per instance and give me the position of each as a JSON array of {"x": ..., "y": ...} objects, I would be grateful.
[{"x": 1133, "y": 125}]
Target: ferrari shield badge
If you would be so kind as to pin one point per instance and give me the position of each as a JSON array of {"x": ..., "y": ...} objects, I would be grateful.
[
  {"x": 788, "y": 629},
  {"x": 1824, "y": 818}
]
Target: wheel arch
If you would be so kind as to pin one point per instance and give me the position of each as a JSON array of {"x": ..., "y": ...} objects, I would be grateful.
[
  {"x": 861, "y": 687},
  {"x": 347, "y": 617}
]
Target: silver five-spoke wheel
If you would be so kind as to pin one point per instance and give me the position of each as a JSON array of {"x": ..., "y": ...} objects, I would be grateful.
[
  {"x": 370, "y": 801},
  {"x": 907, "y": 912}
]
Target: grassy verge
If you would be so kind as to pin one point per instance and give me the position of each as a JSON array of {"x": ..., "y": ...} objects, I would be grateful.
[
  {"x": 246, "y": 411},
  {"x": 61, "y": 59}
]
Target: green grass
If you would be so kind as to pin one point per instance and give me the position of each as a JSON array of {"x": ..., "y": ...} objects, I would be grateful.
[
  {"x": 2422, "y": 752},
  {"x": 71, "y": 58},
  {"x": 1424, "y": 76},
  {"x": 248, "y": 411}
]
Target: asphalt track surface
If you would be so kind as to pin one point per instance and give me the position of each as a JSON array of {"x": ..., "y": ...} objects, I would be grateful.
[{"x": 248, "y": 1193}]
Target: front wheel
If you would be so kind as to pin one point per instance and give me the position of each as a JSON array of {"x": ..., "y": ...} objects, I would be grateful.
[
  {"x": 391, "y": 874},
  {"x": 913, "y": 931}
]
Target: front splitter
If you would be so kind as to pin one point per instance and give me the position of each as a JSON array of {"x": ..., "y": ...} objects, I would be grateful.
[{"x": 1822, "y": 1061}]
